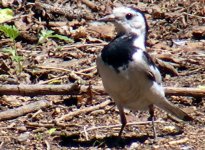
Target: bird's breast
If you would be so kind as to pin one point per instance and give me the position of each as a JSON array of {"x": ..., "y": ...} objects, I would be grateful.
[{"x": 127, "y": 87}]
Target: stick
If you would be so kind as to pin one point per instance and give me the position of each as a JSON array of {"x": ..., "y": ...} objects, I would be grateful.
[
  {"x": 68, "y": 47},
  {"x": 16, "y": 112},
  {"x": 181, "y": 91},
  {"x": 90, "y": 4},
  {"x": 65, "y": 70},
  {"x": 70, "y": 115},
  {"x": 74, "y": 89},
  {"x": 78, "y": 133},
  {"x": 61, "y": 10},
  {"x": 119, "y": 125}
]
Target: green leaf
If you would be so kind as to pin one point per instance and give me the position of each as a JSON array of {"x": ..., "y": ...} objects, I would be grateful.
[
  {"x": 14, "y": 56},
  {"x": 10, "y": 31},
  {"x": 45, "y": 34},
  {"x": 6, "y": 14},
  {"x": 62, "y": 37},
  {"x": 17, "y": 58},
  {"x": 10, "y": 51},
  {"x": 51, "y": 131}
]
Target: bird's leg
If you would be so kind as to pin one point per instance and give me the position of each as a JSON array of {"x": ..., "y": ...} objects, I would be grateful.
[
  {"x": 123, "y": 119},
  {"x": 151, "y": 112}
]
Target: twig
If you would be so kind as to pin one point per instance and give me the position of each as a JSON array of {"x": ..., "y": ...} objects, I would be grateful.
[
  {"x": 34, "y": 124},
  {"x": 193, "y": 15},
  {"x": 82, "y": 111},
  {"x": 48, "y": 147},
  {"x": 86, "y": 133},
  {"x": 83, "y": 45},
  {"x": 90, "y": 4},
  {"x": 75, "y": 89},
  {"x": 53, "y": 79},
  {"x": 65, "y": 70},
  {"x": 119, "y": 125},
  {"x": 35, "y": 114},
  {"x": 2, "y": 143},
  {"x": 178, "y": 142},
  {"x": 87, "y": 69},
  {"x": 47, "y": 125},
  {"x": 67, "y": 134},
  {"x": 16, "y": 112},
  {"x": 181, "y": 91},
  {"x": 192, "y": 71},
  {"x": 90, "y": 98},
  {"x": 61, "y": 10},
  {"x": 77, "y": 133}
]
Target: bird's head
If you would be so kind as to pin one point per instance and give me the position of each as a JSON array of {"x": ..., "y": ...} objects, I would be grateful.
[{"x": 128, "y": 20}]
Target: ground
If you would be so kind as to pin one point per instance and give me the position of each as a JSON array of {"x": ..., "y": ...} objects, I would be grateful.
[{"x": 176, "y": 42}]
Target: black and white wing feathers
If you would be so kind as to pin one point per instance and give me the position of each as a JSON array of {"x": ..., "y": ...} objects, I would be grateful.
[{"x": 118, "y": 53}]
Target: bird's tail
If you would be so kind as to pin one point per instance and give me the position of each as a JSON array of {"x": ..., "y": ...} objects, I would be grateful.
[{"x": 170, "y": 108}]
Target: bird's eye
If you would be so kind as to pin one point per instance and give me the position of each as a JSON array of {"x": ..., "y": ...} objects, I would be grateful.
[{"x": 129, "y": 16}]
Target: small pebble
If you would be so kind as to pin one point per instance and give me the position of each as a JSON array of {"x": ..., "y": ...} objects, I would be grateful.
[
  {"x": 23, "y": 137},
  {"x": 57, "y": 110},
  {"x": 186, "y": 147},
  {"x": 96, "y": 112},
  {"x": 21, "y": 128},
  {"x": 170, "y": 128},
  {"x": 134, "y": 146},
  {"x": 155, "y": 147}
]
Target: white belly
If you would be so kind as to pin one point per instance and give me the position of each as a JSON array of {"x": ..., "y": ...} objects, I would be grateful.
[{"x": 130, "y": 88}]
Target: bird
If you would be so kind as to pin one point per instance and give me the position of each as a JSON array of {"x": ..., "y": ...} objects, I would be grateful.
[{"x": 128, "y": 72}]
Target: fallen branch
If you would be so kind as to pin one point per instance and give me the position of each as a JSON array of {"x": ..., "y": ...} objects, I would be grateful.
[
  {"x": 75, "y": 89},
  {"x": 20, "y": 111},
  {"x": 34, "y": 90}
]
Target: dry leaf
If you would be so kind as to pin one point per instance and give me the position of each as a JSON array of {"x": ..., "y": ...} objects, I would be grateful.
[{"x": 166, "y": 67}]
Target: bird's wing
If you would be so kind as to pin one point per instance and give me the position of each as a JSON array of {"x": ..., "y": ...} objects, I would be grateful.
[{"x": 145, "y": 62}]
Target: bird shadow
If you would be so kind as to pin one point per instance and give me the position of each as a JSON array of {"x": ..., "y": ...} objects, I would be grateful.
[{"x": 109, "y": 142}]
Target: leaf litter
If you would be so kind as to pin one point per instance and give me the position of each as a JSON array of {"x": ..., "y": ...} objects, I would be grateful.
[{"x": 176, "y": 40}]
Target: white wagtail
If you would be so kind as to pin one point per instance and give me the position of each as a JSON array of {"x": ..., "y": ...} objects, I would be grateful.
[{"x": 128, "y": 73}]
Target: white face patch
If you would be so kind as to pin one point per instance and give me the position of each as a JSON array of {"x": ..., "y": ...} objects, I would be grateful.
[{"x": 136, "y": 24}]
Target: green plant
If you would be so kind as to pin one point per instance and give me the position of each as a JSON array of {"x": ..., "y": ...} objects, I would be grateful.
[
  {"x": 14, "y": 57},
  {"x": 12, "y": 32},
  {"x": 45, "y": 34},
  {"x": 38, "y": 136},
  {"x": 51, "y": 130}
]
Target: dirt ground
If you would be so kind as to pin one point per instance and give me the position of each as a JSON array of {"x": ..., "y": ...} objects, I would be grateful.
[{"x": 176, "y": 41}]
